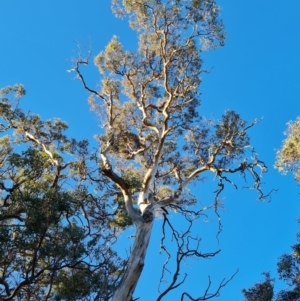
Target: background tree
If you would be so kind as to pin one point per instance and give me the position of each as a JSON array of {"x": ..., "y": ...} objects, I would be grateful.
[
  {"x": 63, "y": 204},
  {"x": 288, "y": 157},
  {"x": 288, "y": 266},
  {"x": 56, "y": 238},
  {"x": 262, "y": 291}
]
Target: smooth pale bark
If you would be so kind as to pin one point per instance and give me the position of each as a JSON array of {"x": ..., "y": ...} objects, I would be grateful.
[{"x": 135, "y": 263}]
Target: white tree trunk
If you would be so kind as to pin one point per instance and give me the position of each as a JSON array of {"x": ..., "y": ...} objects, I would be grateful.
[{"x": 135, "y": 263}]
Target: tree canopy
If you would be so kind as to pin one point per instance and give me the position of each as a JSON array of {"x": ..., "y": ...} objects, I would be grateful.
[
  {"x": 64, "y": 204},
  {"x": 56, "y": 238}
]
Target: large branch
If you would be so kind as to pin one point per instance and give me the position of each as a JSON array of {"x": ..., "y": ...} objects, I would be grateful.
[
  {"x": 108, "y": 172},
  {"x": 32, "y": 138}
]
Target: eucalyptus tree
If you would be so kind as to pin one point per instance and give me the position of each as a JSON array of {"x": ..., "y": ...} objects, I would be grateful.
[
  {"x": 155, "y": 144},
  {"x": 63, "y": 204}
]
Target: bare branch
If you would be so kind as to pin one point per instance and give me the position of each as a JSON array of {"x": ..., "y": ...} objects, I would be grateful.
[
  {"x": 184, "y": 251},
  {"x": 208, "y": 295},
  {"x": 80, "y": 76}
]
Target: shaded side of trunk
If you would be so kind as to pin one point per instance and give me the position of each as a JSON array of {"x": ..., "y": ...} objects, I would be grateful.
[{"x": 135, "y": 263}]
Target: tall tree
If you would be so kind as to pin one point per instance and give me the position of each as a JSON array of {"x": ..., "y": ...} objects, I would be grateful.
[
  {"x": 63, "y": 204},
  {"x": 152, "y": 126}
]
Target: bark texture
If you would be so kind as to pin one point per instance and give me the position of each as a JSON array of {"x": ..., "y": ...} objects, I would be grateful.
[{"x": 135, "y": 263}]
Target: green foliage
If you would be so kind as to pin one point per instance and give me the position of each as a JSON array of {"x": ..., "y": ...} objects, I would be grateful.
[
  {"x": 132, "y": 178},
  {"x": 54, "y": 235},
  {"x": 76, "y": 283},
  {"x": 110, "y": 59},
  {"x": 18, "y": 90},
  {"x": 288, "y": 268},
  {"x": 163, "y": 77},
  {"x": 262, "y": 291},
  {"x": 231, "y": 131},
  {"x": 120, "y": 219},
  {"x": 288, "y": 157}
]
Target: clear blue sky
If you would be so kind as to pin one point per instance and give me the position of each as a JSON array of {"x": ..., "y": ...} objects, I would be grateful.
[{"x": 257, "y": 74}]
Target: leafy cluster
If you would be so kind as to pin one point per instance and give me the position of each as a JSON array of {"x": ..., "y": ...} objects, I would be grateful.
[
  {"x": 262, "y": 291},
  {"x": 56, "y": 238},
  {"x": 288, "y": 157}
]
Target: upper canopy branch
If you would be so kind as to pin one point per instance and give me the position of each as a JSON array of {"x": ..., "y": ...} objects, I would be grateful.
[
  {"x": 32, "y": 138},
  {"x": 80, "y": 76}
]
